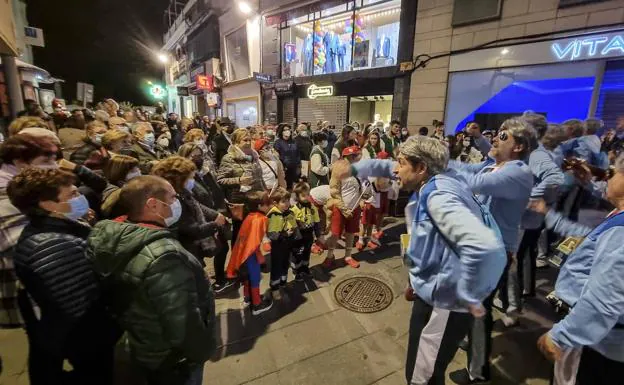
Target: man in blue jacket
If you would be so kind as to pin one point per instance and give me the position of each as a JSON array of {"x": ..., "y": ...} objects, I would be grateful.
[
  {"x": 503, "y": 183},
  {"x": 587, "y": 345},
  {"x": 455, "y": 260}
]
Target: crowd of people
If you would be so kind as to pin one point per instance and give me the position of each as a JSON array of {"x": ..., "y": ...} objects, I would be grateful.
[{"x": 109, "y": 218}]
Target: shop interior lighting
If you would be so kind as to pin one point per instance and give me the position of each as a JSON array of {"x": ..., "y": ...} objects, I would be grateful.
[
  {"x": 505, "y": 51},
  {"x": 366, "y": 17}
]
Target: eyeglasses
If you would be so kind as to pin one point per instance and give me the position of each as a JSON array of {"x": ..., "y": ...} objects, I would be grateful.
[{"x": 503, "y": 136}]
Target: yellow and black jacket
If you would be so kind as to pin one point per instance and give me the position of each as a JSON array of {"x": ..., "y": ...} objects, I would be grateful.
[{"x": 282, "y": 225}]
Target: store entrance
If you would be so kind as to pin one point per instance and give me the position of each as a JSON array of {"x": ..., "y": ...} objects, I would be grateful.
[{"x": 370, "y": 109}]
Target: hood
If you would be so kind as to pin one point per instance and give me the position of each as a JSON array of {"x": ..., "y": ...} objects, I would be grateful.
[{"x": 113, "y": 243}]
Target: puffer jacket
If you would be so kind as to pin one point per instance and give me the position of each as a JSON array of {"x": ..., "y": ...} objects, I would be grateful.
[
  {"x": 288, "y": 152},
  {"x": 50, "y": 262},
  {"x": 233, "y": 166},
  {"x": 157, "y": 291}
]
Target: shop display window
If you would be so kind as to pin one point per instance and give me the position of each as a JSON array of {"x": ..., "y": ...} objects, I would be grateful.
[
  {"x": 559, "y": 91},
  {"x": 342, "y": 38},
  {"x": 237, "y": 54},
  {"x": 243, "y": 112}
]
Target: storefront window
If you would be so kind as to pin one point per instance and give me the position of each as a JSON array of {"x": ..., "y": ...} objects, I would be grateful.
[
  {"x": 558, "y": 91},
  {"x": 341, "y": 39},
  {"x": 243, "y": 112},
  {"x": 298, "y": 57},
  {"x": 237, "y": 54},
  {"x": 377, "y": 36}
]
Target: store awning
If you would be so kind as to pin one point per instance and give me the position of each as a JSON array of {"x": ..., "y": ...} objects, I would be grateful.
[{"x": 42, "y": 75}]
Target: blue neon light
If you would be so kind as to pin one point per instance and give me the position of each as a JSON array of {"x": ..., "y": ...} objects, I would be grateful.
[{"x": 589, "y": 47}]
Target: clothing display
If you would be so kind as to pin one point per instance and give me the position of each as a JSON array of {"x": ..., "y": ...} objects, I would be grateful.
[
  {"x": 307, "y": 55},
  {"x": 383, "y": 46},
  {"x": 331, "y": 41}
]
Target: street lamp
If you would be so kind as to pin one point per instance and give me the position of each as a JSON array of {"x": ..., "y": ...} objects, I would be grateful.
[
  {"x": 163, "y": 58},
  {"x": 244, "y": 7}
]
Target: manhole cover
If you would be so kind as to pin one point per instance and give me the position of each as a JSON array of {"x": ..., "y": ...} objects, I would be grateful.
[{"x": 363, "y": 294}]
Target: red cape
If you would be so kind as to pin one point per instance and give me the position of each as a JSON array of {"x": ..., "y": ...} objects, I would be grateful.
[{"x": 249, "y": 239}]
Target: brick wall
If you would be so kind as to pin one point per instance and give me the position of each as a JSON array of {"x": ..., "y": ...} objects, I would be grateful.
[{"x": 434, "y": 35}]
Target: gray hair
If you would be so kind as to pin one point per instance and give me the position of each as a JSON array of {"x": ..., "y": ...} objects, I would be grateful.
[
  {"x": 618, "y": 165},
  {"x": 522, "y": 133},
  {"x": 430, "y": 151},
  {"x": 554, "y": 136},
  {"x": 593, "y": 125},
  {"x": 537, "y": 121},
  {"x": 575, "y": 127}
]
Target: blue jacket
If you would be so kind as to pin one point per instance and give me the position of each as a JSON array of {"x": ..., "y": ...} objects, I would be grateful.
[
  {"x": 591, "y": 281},
  {"x": 445, "y": 276},
  {"x": 505, "y": 191},
  {"x": 288, "y": 152},
  {"x": 483, "y": 145},
  {"x": 548, "y": 177}
]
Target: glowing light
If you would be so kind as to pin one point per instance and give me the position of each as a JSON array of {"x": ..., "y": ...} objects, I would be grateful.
[
  {"x": 163, "y": 58},
  {"x": 244, "y": 7},
  {"x": 589, "y": 47},
  {"x": 505, "y": 51}
]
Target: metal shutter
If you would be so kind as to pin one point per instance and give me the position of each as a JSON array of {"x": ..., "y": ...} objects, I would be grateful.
[
  {"x": 333, "y": 109},
  {"x": 288, "y": 111}
]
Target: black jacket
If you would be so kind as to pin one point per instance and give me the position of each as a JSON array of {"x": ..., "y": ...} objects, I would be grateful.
[
  {"x": 220, "y": 145},
  {"x": 196, "y": 227},
  {"x": 84, "y": 152},
  {"x": 50, "y": 262},
  {"x": 304, "y": 144}
]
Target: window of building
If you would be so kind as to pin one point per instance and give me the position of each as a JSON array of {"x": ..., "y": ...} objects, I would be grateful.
[
  {"x": 243, "y": 112},
  {"x": 355, "y": 35},
  {"x": 476, "y": 11},
  {"x": 237, "y": 54},
  {"x": 377, "y": 36}
]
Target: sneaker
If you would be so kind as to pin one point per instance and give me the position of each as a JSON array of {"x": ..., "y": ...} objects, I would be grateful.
[
  {"x": 541, "y": 263},
  {"x": 276, "y": 294},
  {"x": 510, "y": 319},
  {"x": 263, "y": 306},
  {"x": 299, "y": 276},
  {"x": 221, "y": 286},
  {"x": 372, "y": 245},
  {"x": 497, "y": 303},
  {"x": 359, "y": 245},
  {"x": 461, "y": 377},
  {"x": 378, "y": 234},
  {"x": 463, "y": 345},
  {"x": 328, "y": 263},
  {"x": 306, "y": 272},
  {"x": 316, "y": 249},
  {"x": 352, "y": 262},
  {"x": 320, "y": 244},
  {"x": 246, "y": 302}
]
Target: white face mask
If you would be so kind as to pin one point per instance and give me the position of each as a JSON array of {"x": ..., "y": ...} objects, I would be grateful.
[
  {"x": 97, "y": 138},
  {"x": 286, "y": 134},
  {"x": 324, "y": 144},
  {"x": 133, "y": 174},
  {"x": 198, "y": 142},
  {"x": 305, "y": 134},
  {"x": 176, "y": 213},
  {"x": 149, "y": 139}
]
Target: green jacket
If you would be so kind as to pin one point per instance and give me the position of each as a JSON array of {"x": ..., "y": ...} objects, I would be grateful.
[{"x": 157, "y": 291}]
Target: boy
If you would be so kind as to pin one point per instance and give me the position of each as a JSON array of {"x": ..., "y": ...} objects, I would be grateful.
[
  {"x": 247, "y": 255},
  {"x": 372, "y": 214},
  {"x": 308, "y": 220},
  {"x": 346, "y": 195},
  {"x": 319, "y": 197},
  {"x": 282, "y": 232}
]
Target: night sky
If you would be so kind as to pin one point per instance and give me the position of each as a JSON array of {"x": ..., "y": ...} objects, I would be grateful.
[{"x": 103, "y": 42}]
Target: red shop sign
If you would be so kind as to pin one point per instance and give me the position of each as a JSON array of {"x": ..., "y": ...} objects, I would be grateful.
[{"x": 205, "y": 82}]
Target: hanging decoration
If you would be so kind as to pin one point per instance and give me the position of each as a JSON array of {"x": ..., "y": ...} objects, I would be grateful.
[
  {"x": 319, "y": 47},
  {"x": 360, "y": 36}
]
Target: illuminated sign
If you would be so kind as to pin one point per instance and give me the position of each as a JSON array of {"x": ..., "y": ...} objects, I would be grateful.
[
  {"x": 158, "y": 91},
  {"x": 204, "y": 82},
  {"x": 315, "y": 91},
  {"x": 590, "y": 47}
]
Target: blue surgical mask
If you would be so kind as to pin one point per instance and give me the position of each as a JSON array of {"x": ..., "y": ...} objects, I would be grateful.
[
  {"x": 190, "y": 184},
  {"x": 79, "y": 207},
  {"x": 176, "y": 212},
  {"x": 149, "y": 139}
]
